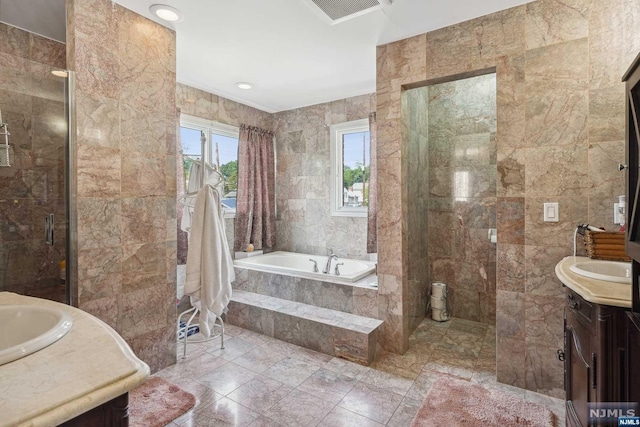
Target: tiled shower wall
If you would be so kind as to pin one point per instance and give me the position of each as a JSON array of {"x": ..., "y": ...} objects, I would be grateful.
[
  {"x": 461, "y": 149},
  {"x": 32, "y": 102},
  {"x": 560, "y": 132},
  {"x": 304, "y": 223},
  {"x": 126, "y": 182}
]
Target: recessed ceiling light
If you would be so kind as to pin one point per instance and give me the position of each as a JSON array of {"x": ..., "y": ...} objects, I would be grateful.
[
  {"x": 166, "y": 13},
  {"x": 59, "y": 73},
  {"x": 244, "y": 85}
]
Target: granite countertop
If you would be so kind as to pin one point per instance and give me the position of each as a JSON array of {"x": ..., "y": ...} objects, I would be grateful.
[
  {"x": 89, "y": 366},
  {"x": 593, "y": 290}
]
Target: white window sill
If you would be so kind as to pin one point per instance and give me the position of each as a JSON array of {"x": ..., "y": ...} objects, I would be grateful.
[{"x": 350, "y": 212}]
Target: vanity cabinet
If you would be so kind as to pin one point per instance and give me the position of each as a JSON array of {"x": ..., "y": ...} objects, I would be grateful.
[{"x": 594, "y": 356}]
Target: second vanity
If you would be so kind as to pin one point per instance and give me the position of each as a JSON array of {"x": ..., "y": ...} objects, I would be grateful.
[
  {"x": 83, "y": 379},
  {"x": 595, "y": 340}
]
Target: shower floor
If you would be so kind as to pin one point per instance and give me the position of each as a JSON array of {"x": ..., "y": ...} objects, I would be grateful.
[{"x": 260, "y": 381}]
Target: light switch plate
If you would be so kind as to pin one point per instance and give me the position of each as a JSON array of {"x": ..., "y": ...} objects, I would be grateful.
[{"x": 551, "y": 212}]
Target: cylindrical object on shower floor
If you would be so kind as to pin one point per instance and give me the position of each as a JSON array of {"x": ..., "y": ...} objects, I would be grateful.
[{"x": 439, "y": 310}]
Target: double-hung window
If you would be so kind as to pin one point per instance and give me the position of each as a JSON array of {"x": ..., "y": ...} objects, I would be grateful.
[
  {"x": 350, "y": 156},
  {"x": 220, "y": 150}
]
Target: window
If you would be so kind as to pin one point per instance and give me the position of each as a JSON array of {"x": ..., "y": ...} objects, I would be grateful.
[
  {"x": 350, "y": 154},
  {"x": 220, "y": 150}
]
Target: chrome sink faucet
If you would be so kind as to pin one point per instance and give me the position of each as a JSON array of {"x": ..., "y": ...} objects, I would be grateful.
[{"x": 327, "y": 268}]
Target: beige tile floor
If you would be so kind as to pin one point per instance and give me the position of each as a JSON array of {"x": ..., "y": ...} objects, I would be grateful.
[{"x": 260, "y": 381}]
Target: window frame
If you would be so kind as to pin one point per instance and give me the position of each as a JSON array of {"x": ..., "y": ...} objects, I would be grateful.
[
  {"x": 211, "y": 127},
  {"x": 337, "y": 168}
]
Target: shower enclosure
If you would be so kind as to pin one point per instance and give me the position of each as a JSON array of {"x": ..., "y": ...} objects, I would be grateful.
[
  {"x": 451, "y": 134},
  {"x": 33, "y": 186}
]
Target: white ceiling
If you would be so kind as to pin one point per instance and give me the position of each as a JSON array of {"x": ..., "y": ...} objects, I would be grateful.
[{"x": 293, "y": 57}]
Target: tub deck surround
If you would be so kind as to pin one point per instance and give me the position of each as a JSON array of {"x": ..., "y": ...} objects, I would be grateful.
[
  {"x": 89, "y": 366},
  {"x": 332, "y": 332},
  {"x": 593, "y": 290}
]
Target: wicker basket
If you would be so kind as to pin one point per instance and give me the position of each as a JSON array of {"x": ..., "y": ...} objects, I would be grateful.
[{"x": 605, "y": 245}]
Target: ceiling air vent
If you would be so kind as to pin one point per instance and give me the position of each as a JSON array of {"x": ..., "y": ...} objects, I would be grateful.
[{"x": 341, "y": 10}]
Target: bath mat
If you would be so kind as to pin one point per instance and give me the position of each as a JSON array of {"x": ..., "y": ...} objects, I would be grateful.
[
  {"x": 453, "y": 402},
  {"x": 157, "y": 402}
]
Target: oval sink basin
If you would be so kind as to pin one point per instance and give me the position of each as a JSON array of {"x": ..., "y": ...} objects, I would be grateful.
[
  {"x": 610, "y": 271},
  {"x": 25, "y": 329}
]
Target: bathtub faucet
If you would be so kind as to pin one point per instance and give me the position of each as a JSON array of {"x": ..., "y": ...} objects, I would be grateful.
[{"x": 327, "y": 268}]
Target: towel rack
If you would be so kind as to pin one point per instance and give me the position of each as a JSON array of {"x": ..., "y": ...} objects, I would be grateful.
[
  {"x": 183, "y": 331},
  {"x": 188, "y": 200}
]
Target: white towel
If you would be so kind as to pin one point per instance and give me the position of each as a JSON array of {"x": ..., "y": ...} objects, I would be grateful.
[
  {"x": 195, "y": 172},
  {"x": 209, "y": 263}
]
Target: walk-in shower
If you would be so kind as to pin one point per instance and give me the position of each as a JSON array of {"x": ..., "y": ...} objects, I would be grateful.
[
  {"x": 34, "y": 138},
  {"x": 451, "y": 141}
]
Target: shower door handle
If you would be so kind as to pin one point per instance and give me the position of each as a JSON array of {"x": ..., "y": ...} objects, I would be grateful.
[{"x": 48, "y": 229}]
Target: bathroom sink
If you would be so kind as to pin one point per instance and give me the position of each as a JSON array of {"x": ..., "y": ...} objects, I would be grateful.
[
  {"x": 25, "y": 329},
  {"x": 610, "y": 271}
]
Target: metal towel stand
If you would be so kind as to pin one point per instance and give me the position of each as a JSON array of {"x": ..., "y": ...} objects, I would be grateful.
[{"x": 218, "y": 325}]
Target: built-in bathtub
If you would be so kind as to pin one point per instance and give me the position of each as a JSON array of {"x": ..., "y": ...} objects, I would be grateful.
[
  {"x": 300, "y": 265},
  {"x": 290, "y": 276}
]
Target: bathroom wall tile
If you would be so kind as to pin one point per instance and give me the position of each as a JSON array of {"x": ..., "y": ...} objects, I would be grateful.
[
  {"x": 47, "y": 51},
  {"x": 509, "y": 321},
  {"x": 510, "y": 180},
  {"x": 557, "y": 171},
  {"x": 601, "y": 214},
  {"x": 511, "y": 220},
  {"x": 510, "y": 359},
  {"x": 607, "y": 113},
  {"x": 158, "y": 347},
  {"x": 98, "y": 223},
  {"x": 105, "y": 309},
  {"x": 572, "y": 211},
  {"x": 100, "y": 273},
  {"x": 142, "y": 127},
  {"x": 143, "y": 266},
  {"x": 544, "y": 318},
  {"x": 14, "y": 41},
  {"x": 402, "y": 58},
  {"x": 365, "y": 302},
  {"x": 612, "y": 45},
  {"x": 544, "y": 372},
  {"x": 142, "y": 175},
  {"x": 557, "y": 99},
  {"x": 541, "y": 262},
  {"x": 98, "y": 171},
  {"x": 138, "y": 312},
  {"x": 144, "y": 219},
  {"x": 510, "y": 267},
  {"x": 550, "y": 21},
  {"x": 97, "y": 120},
  {"x": 604, "y": 177}
]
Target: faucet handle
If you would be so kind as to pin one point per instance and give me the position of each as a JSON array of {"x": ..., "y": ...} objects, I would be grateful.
[
  {"x": 337, "y": 270},
  {"x": 315, "y": 265}
]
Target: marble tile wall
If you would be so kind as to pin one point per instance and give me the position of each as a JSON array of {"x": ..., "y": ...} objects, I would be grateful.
[
  {"x": 126, "y": 184},
  {"x": 304, "y": 223},
  {"x": 559, "y": 135},
  {"x": 32, "y": 102}
]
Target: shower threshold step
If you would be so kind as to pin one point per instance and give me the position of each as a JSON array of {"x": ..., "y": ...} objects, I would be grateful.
[{"x": 332, "y": 332}]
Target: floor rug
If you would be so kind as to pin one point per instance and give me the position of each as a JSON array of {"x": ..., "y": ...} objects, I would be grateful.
[
  {"x": 453, "y": 402},
  {"x": 157, "y": 402}
]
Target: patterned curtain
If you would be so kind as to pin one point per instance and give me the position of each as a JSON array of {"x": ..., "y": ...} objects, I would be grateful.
[
  {"x": 183, "y": 237},
  {"x": 255, "y": 204},
  {"x": 372, "y": 238}
]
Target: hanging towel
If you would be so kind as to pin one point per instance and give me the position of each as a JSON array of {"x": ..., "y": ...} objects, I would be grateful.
[
  {"x": 195, "y": 172},
  {"x": 209, "y": 264}
]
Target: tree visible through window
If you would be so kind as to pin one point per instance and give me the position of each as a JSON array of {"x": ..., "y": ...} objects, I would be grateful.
[
  {"x": 221, "y": 151},
  {"x": 350, "y": 157}
]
